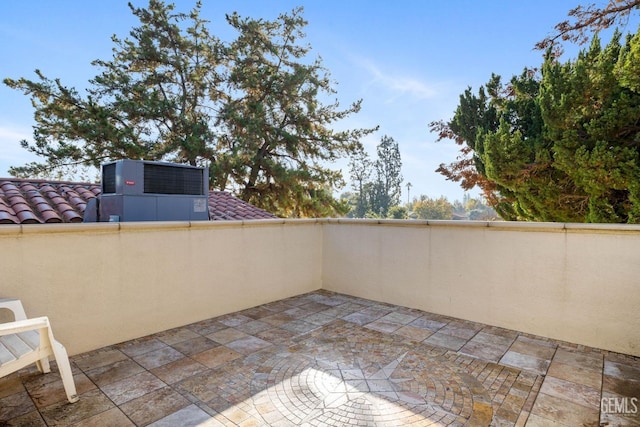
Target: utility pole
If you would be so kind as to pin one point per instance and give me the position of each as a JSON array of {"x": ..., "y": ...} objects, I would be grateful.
[{"x": 409, "y": 192}]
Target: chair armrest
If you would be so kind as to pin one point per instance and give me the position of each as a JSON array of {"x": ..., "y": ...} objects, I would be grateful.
[
  {"x": 23, "y": 326},
  {"x": 15, "y": 305}
]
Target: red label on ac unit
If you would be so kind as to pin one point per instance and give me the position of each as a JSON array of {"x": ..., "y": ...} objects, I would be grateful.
[{"x": 130, "y": 182}]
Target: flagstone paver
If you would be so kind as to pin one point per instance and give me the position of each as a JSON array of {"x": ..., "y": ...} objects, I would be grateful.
[{"x": 326, "y": 359}]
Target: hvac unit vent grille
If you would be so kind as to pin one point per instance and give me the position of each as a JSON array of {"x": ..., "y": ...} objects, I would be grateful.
[
  {"x": 109, "y": 178},
  {"x": 160, "y": 179}
]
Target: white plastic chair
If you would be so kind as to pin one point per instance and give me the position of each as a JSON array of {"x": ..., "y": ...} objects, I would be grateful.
[{"x": 26, "y": 341}]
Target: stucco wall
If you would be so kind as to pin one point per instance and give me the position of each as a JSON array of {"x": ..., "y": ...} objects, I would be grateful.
[
  {"x": 101, "y": 284},
  {"x": 105, "y": 283},
  {"x": 573, "y": 282}
]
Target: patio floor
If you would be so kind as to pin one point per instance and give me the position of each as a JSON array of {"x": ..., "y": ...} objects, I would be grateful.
[{"x": 326, "y": 359}]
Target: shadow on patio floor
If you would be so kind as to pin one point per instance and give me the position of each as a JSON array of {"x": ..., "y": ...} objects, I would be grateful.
[{"x": 330, "y": 359}]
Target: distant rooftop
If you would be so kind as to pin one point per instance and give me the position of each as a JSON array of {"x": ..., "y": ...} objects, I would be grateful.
[{"x": 25, "y": 201}]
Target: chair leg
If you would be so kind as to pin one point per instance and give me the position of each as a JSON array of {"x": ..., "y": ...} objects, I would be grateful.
[
  {"x": 62, "y": 359},
  {"x": 43, "y": 365}
]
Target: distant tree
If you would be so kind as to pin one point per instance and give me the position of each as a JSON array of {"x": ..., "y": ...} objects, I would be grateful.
[
  {"x": 427, "y": 208},
  {"x": 250, "y": 110},
  {"x": 474, "y": 208},
  {"x": 388, "y": 182},
  {"x": 559, "y": 145},
  {"x": 483, "y": 215},
  {"x": 458, "y": 207},
  {"x": 477, "y": 210},
  {"x": 360, "y": 167},
  {"x": 398, "y": 212},
  {"x": 408, "y": 185},
  {"x": 471, "y": 204},
  {"x": 378, "y": 184}
]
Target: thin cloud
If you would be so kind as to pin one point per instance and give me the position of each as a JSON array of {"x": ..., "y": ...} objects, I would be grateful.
[
  {"x": 11, "y": 153},
  {"x": 398, "y": 85},
  {"x": 10, "y": 134}
]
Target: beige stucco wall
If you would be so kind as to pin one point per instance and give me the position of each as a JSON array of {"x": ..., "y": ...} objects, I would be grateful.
[
  {"x": 573, "y": 282},
  {"x": 105, "y": 283},
  {"x": 101, "y": 284}
]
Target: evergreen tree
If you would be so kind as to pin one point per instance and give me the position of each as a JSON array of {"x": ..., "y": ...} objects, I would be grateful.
[
  {"x": 155, "y": 99},
  {"x": 388, "y": 185},
  {"x": 376, "y": 195},
  {"x": 398, "y": 212},
  {"x": 560, "y": 145},
  {"x": 591, "y": 109},
  {"x": 276, "y": 135},
  {"x": 250, "y": 110},
  {"x": 360, "y": 167}
]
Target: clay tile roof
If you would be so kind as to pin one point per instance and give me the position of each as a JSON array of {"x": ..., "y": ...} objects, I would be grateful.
[
  {"x": 224, "y": 206},
  {"x": 37, "y": 202},
  {"x": 50, "y": 216},
  {"x": 7, "y": 218}
]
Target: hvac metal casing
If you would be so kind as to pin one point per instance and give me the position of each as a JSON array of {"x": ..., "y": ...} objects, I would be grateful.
[{"x": 141, "y": 190}]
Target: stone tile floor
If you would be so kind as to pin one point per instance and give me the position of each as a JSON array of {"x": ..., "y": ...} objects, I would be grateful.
[{"x": 326, "y": 359}]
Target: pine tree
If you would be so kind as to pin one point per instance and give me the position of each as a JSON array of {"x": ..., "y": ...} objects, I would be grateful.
[{"x": 250, "y": 110}]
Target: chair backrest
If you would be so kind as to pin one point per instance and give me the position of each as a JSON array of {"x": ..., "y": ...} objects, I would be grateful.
[
  {"x": 14, "y": 346},
  {"x": 14, "y": 305}
]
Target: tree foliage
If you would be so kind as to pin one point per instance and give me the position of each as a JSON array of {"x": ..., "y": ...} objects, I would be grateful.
[
  {"x": 474, "y": 209},
  {"x": 556, "y": 145},
  {"x": 584, "y": 20},
  {"x": 276, "y": 134},
  {"x": 388, "y": 186},
  {"x": 249, "y": 109},
  {"x": 398, "y": 212},
  {"x": 360, "y": 171},
  {"x": 427, "y": 208},
  {"x": 377, "y": 184},
  {"x": 155, "y": 98}
]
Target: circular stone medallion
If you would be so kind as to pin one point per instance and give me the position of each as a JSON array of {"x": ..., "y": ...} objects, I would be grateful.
[{"x": 410, "y": 389}]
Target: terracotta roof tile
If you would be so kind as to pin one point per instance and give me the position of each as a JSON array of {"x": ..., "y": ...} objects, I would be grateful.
[
  {"x": 224, "y": 206},
  {"x": 43, "y": 207},
  {"x": 71, "y": 216},
  {"x": 7, "y": 218},
  {"x": 27, "y": 217},
  {"x": 50, "y": 216},
  {"x": 8, "y": 187},
  {"x": 38, "y": 201},
  {"x": 63, "y": 207},
  {"x": 19, "y": 206}
]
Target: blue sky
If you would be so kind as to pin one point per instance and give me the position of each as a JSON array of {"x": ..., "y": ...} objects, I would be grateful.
[{"x": 409, "y": 60}]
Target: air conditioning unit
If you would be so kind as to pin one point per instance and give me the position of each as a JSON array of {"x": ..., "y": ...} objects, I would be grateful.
[{"x": 141, "y": 190}]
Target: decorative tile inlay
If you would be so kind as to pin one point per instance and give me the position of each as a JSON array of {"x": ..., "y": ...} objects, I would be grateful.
[
  {"x": 346, "y": 374},
  {"x": 307, "y": 390},
  {"x": 332, "y": 360}
]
